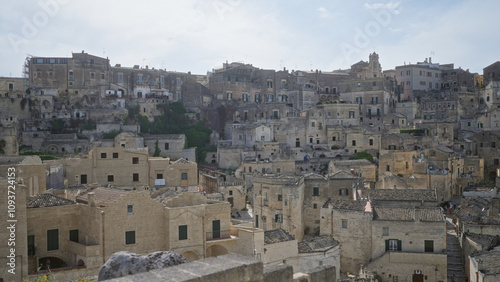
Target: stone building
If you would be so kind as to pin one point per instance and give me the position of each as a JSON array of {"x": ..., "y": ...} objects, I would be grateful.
[
  {"x": 278, "y": 203},
  {"x": 406, "y": 241},
  {"x": 484, "y": 266}
]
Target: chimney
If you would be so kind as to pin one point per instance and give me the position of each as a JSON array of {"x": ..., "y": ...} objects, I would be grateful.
[
  {"x": 430, "y": 60},
  {"x": 91, "y": 199}
]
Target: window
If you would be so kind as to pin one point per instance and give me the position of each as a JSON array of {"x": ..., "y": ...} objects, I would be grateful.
[
  {"x": 83, "y": 179},
  {"x": 269, "y": 84},
  {"x": 52, "y": 239},
  {"x": 166, "y": 146},
  {"x": 129, "y": 237},
  {"x": 130, "y": 209},
  {"x": 31, "y": 245},
  {"x": 135, "y": 177},
  {"x": 103, "y": 155},
  {"x": 371, "y": 142},
  {"x": 385, "y": 231},
  {"x": 159, "y": 176},
  {"x": 343, "y": 192},
  {"x": 354, "y": 142},
  {"x": 184, "y": 176},
  {"x": 280, "y": 198},
  {"x": 102, "y": 76},
  {"x": 115, "y": 155},
  {"x": 429, "y": 246},
  {"x": 278, "y": 218},
  {"x": 183, "y": 232},
  {"x": 344, "y": 223},
  {"x": 407, "y": 165},
  {"x": 111, "y": 178},
  {"x": 315, "y": 191},
  {"x": 120, "y": 78},
  {"x": 351, "y": 114},
  {"x": 92, "y": 75},
  {"x": 313, "y": 124},
  {"x": 387, "y": 168},
  {"x": 393, "y": 245},
  {"x": 73, "y": 235},
  {"x": 135, "y": 160}
]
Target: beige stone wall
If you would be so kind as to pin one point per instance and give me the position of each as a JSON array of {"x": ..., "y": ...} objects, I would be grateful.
[
  {"x": 398, "y": 162},
  {"x": 32, "y": 173},
  {"x": 147, "y": 220},
  {"x": 308, "y": 261},
  {"x": 404, "y": 264},
  {"x": 14, "y": 238},
  {"x": 355, "y": 240},
  {"x": 282, "y": 251}
]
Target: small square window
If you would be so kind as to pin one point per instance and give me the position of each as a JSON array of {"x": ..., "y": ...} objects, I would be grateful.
[
  {"x": 135, "y": 177},
  {"x": 159, "y": 176},
  {"x": 135, "y": 160},
  {"x": 103, "y": 155},
  {"x": 111, "y": 178},
  {"x": 315, "y": 206},
  {"x": 115, "y": 155},
  {"x": 280, "y": 198},
  {"x": 130, "y": 209},
  {"x": 184, "y": 176},
  {"x": 166, "y": 146},
  {"x": 385, "y": 231},
  {"x": 230, "y": 192},
  {"x": 344, "y": 223}
]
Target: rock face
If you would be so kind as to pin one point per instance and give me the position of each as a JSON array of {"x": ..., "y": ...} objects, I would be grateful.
[{"x": 124, "y": 263}]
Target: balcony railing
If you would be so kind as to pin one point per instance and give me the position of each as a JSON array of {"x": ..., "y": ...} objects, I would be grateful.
[{"x": 218, "y": 235}]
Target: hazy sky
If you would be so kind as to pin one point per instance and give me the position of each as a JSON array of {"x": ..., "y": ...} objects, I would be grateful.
[{"x": 197, "y": 36}]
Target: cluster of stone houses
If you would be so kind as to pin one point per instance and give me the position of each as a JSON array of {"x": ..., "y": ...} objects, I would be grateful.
[{"x": 287, "y": 143}]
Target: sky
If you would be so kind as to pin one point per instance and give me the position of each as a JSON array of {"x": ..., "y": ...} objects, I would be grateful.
[{"x": 200, "y": 35}]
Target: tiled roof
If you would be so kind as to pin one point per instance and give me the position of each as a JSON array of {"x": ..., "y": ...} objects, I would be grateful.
[
  {"x": 69, "y": 136},
  {"x": 352, "y": 162},
  {"x": 487, "y": 242},
  {"x": 317, "y": 244},
  {"x": 343, "y": 175},
  {"x": 400, "y": 194},
  {"x": 163, "y": 136},
  {"x": 276, "y": 236},
  {"x": 408, "y": 214},
  {"x": 47, "y": 200},
  {"x": 345, "y": 204},
  {"x": 103, "y": 196},
  {"x": 488, "y": 262}
]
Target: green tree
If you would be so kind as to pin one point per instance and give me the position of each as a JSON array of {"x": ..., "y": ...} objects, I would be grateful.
[
  {"x": 157, "y": 150},
  {"x": 362, "y": 155}
]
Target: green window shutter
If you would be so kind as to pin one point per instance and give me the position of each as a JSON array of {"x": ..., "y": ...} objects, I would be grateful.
[
  {"x": 52, "y": 239},
  {"x": 183, "y": 232},
  {"x": 73, "y": 235},
  {"x": 129, "y": 237},
  {"x": 347, "y": 191},
  {"x": 386, "y": 245},
  {"x": 399, "y": 245}
]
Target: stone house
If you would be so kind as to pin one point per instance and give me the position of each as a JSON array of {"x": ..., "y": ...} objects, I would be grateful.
[
  {"x": 362, "y": 168},
  {"x": 397, "y": 162},
  {"x": 338, "y": 185},
  {"x": 277, "y": 203},
  {"x": 28, "y": 171},
  {"x": 171, "y": 146},
  {"x": 483, "y": 267},
  {"x": 318, "y": 251},
  {"x": 401, "y": 239},
  {"x": 485, "y": 146}
]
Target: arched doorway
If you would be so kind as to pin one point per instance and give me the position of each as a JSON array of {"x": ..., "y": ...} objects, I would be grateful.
[
  {"x": 51, "y": 262},
  {"x": 216, "y": 250},
  {"x": 80, "y": 263},
  {"x": 191, "y": 256}
]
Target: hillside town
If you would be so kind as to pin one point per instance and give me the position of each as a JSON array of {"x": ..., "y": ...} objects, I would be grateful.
[{"x": 359, "y": 174}]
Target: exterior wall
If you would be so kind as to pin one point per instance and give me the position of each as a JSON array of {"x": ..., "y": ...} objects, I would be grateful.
[
  {"x": 355, "y": 240},
  {"x": 14, "y": 248},
  {"x": 404, "y": 264},
  {"x": 30, "y": 172},
  {"x": 308, "y": 261},
  {"x": 397, "y": 162},
  {"x": 175, "y": 144},
  {"x": 283, "y": 251}
]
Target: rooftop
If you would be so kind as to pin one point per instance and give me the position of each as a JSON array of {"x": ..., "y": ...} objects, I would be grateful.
[
  {"x": 103, "y": 196},
  {"x": 276, "y": 236},
  {"x": 399, "y": 194},
  {"x": 408, "y": 214},
  {"x": 488, "y": 262},
  {"x": 317, "y": 244},
  {"x": 47, "y": 200},
  {"x": 346, "y": 204}
]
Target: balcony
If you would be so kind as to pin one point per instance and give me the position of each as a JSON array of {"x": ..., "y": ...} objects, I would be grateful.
[
  {"x": 86, "y": 251},
  {"x": 218, "y": 235}
]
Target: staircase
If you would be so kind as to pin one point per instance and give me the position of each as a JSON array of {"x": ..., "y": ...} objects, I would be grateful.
[{"x": 455, "y": 259}]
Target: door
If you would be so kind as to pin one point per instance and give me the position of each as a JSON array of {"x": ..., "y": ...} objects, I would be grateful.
[
  {"x": 418, "y": 278},
  {"x": 216, "y": 229},
  {"x": 231, "y": 201}
]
